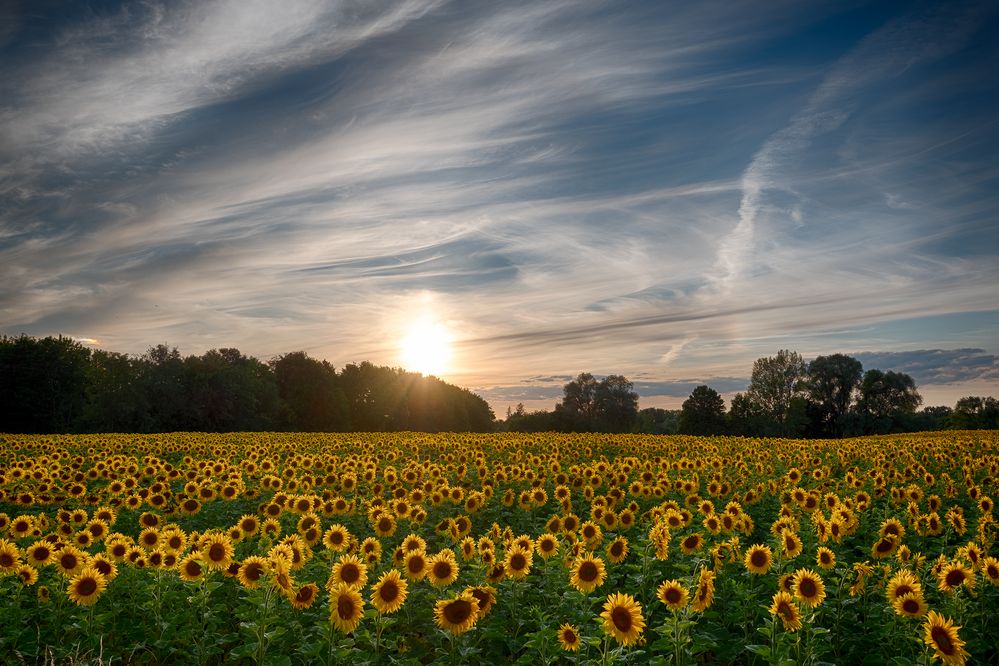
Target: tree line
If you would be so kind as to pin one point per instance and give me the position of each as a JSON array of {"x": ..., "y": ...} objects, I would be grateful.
[
  {"x": 57, "y": 385},
  {"x": 828, "y": 397}
]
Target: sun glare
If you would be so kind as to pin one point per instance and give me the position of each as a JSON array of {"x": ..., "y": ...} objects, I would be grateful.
[{"x": 426, "y": 348}]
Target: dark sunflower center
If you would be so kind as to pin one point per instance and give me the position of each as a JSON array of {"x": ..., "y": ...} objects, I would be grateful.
[
  {"x": 193, "y": 569},
  {"x": 442, "y": 570},
  {"x": 807, "y": 588},
  {"x": 458, "y": 611},
  {"x": 86, "y": 587},
  {"x": 350, "y": 573},
  {"x": 903, "y": 590},
  {"x": 216, "y": 553},
  {"x": 942, "y": 640},
  {"x": 518, "y": 562},
  {"x": 955, "y": 577},
  {"x": 672, "y": 595},
  {"x": 253, "y": 572},
  {"x": 384, "y": 524},
  {"x": 6, "y": 560},
  {"x": 910, "y": 606},
  {"x": 415, "y": 564},
  {"x": 68, "y": 562},
  {"x": 621, "y": 619},
  {"x": 758, "y": 558},
  {"x": 304, "y": 595},
  {"x": 388, "y": 592},
  {"x": 616, "y": 549},
  {"x": 345, "y": 608},
  {"x": 588, "y": 571}
]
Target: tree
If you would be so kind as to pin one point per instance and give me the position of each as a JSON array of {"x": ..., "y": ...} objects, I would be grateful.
[
  {"x": 615, "y": 404},
  {"x": 831, "y": 384},
  {"x": 745, "y": 418},
  {"x": 658, "y": 421},
  {"x": 42, "y": 384},
  {"x": 311, "y": 398},
  {"x": 775, "y": 382},
  {"x": 975, "y": 413},
  {"x": 886, "y": 400},
  {"x": 580, "y": 395},
  {"x": 703, "y": 413}
]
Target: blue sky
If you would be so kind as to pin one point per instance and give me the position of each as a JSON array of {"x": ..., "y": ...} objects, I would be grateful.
[{"x": 662, "y": 190}]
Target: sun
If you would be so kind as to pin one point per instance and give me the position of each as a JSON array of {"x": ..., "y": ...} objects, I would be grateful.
[{"x": 426, "y": 348}]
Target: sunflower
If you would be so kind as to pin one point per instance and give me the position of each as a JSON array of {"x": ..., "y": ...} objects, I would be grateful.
[
  {"x": 10, "y": 557},
  {"x": 808, "y": 587},
  {"x": 990, "y": 569},
  {"x": 86, "y": 587},
  {"x": 705, "y": 594},
  {"x": 910, "y": 604},
  {"x": 790, "y": 544},
  {"x": 617, "y": 550},
  {"x": 622, "y": 618},
  {"x": 591, "y": 534},
  {"x": 389, "y": 593},
  {"x": 191, "y": 568},
  {"x": 117, "y": 548},
  {"x": 252, "y": 570},
  {"x": 691, "y": 543},
  {"x": 486, "y": 596},
  {"x": 105, "y": 566},
  {"x": 568, "y": 636},
  {"x": 415, "y": 565},
  {"x": 884, "y": 546},
  {"x": 149, "y": 538},
  {"x": 70, "y": 561},
  {"x": 248, "y": 525},
  {"x": 673, "y": 594},
  {"x": 280, "y": 571},
  {"x": 304, "y": 596},
  {"x": 371, "y": 549},
  {"x": 517, "y": 562},
  {"x": 39, "y": 553},
  {"x": 28, "y": 575},
  {"x": 953, "y": 575},
  {"x": 351, "y": 571},
  {"x": 414, "y": 542},
  {"x": 336, "y": 538},
  {"x": 588, "y": 573},
  {"x": 22, "y": 527},
  {"x": 458, "y": 614},
  {"x": 546, "y": 545},
  {"x": 902, "y": 583},
  {"x": 218, "y": 551},
  {"x": 941, "y": 635},
  {"x": 783, "y": 606},
  {"x": 759, "y": 559},
  {"x": 346, "y": 608},
  {"x": 385, "y": 524},
  {"x": 825, "y": 558},
  {"x": 442, "y": 569}
]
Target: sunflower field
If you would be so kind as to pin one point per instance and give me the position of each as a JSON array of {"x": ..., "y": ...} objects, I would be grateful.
[{"x": 408, "y": 548}]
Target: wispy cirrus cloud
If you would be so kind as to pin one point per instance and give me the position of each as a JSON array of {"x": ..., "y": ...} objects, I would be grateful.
[{"x": 660, "y": 191}]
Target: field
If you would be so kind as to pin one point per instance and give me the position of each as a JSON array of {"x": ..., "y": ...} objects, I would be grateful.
[{"x": 412, "y": 548}]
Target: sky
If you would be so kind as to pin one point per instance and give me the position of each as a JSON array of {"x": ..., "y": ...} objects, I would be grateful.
[{"x": 662, "y": 190}]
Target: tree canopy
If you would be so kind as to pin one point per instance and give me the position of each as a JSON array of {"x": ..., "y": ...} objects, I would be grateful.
[{"x": 58, "y": 385}]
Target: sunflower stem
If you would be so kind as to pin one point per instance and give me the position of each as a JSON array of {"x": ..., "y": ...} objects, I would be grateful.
[{"x": 262, "y": 625}]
